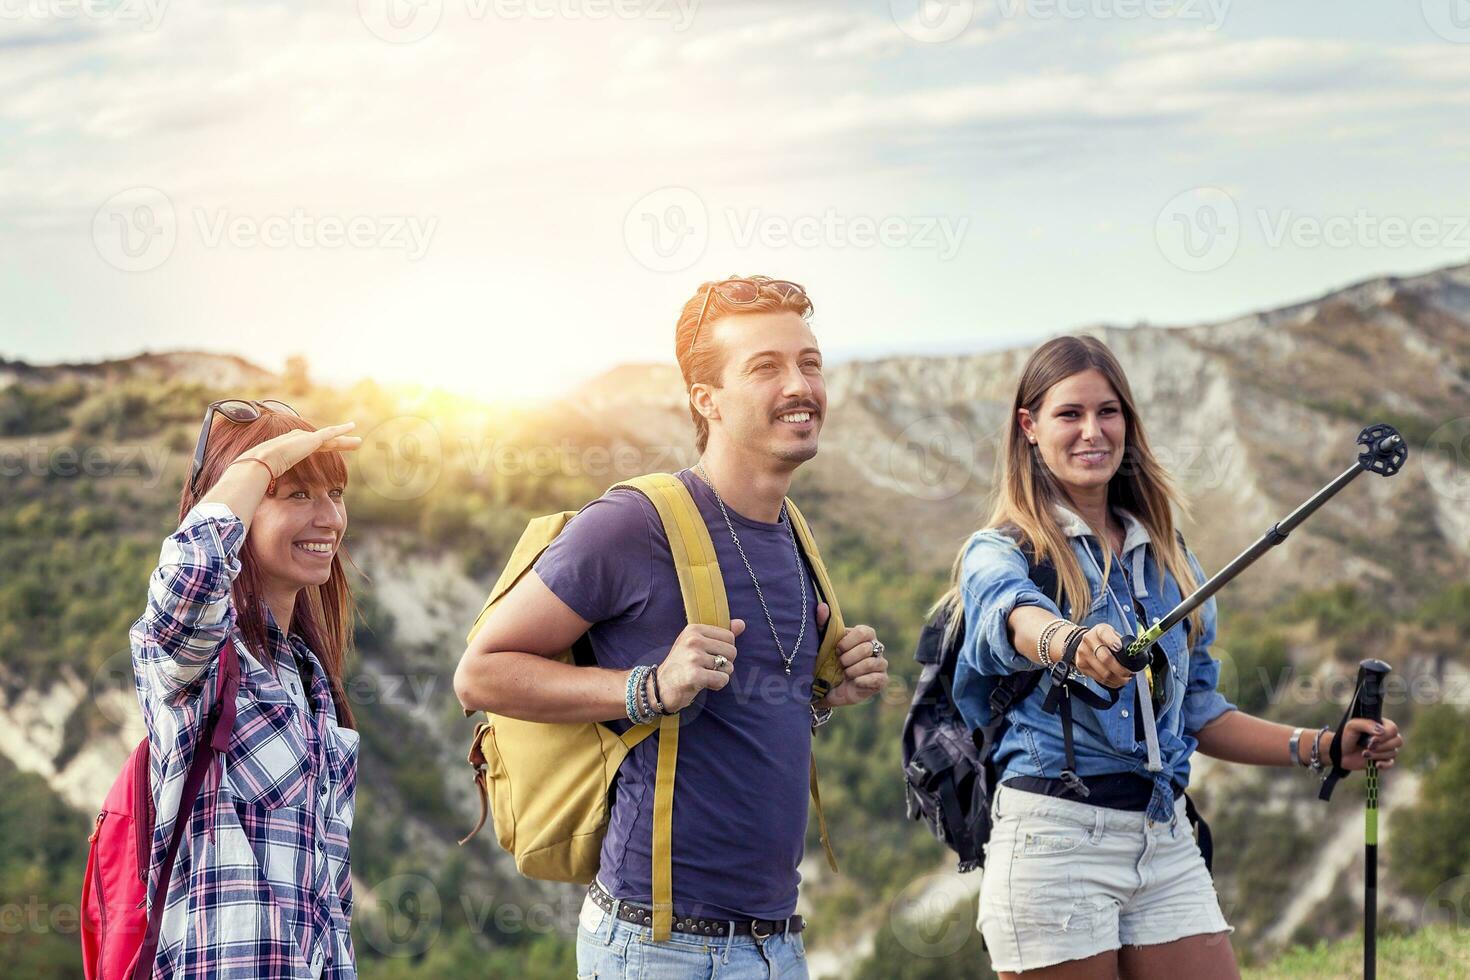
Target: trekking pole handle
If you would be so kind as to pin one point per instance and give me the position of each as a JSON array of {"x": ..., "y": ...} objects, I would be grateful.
[
  {"x": 1367, "y": 703},
  {"x": 1370, "y": 682}
]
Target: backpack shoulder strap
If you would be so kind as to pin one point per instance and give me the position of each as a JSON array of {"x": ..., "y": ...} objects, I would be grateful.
[
  {"x": 828, "y": 672},
  {"x": 534, "y": 540},
  {"x": 694, "y": 552},
  {"x": 704, "y": 602}
]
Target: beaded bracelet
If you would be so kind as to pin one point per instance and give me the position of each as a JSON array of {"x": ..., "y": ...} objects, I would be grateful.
[
  {"x": 635, "y": 699},
  {"x": 1043, "y": 643},
  {"x": 644, "y": 708}
]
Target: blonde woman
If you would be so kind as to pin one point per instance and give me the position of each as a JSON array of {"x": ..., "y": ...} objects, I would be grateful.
[{"x": 1097, "y": 875}]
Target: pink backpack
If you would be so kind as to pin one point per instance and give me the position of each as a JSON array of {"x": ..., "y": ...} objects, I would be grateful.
[{"x": 119, "y": 931}]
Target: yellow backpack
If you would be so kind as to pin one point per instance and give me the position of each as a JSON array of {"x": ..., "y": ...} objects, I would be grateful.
[{"x": 547, "y": 784}]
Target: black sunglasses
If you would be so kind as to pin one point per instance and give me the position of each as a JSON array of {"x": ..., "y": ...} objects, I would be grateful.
[
  {"x": 740, "y": 291},
  {"x": 236, "y": 410}
]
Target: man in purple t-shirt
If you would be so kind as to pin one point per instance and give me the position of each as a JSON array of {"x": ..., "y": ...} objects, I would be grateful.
[{"x": 757, "y": 397}]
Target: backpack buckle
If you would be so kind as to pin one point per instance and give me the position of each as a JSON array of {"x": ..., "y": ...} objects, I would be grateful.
[
  {"x": 1075, "y": 784},
  {"x": 477, "y": 754}
]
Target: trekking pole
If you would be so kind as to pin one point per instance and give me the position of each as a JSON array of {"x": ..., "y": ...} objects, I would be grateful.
[
  {"x": 1384, "y": 453},
  {"x": 1367, "y": 702}
]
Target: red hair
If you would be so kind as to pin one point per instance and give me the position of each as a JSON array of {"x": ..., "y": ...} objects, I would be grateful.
[{"x": 323, "y": 614}]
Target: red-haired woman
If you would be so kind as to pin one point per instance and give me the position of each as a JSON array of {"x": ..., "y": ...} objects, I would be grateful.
[{"x": 261, "y": 886}]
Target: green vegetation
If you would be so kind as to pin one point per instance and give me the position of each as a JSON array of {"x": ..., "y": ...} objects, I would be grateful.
[
  {"x": 1435, "y": 953},
  {"x": 77, "y": 545},
  {"x": 41, "y": 868}
]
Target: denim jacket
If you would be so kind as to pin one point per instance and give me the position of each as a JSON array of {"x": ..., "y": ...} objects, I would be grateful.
[{"x": 994, "y": 582}]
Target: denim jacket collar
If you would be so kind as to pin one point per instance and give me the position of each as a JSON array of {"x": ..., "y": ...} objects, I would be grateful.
[{"x": 1134, "y": 535}]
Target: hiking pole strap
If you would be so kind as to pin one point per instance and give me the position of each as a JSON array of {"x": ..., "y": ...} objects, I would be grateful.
[
  {"x": 1366, "y": 702},
  {"x": 213, "y": 741}
]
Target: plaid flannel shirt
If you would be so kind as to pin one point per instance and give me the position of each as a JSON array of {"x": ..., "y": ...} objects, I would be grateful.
[{"x": 262, "y": 885}]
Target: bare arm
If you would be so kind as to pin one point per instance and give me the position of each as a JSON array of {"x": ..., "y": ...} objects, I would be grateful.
[
  {"x": 507, "y": 668},
  {"x": 242, "y": 486},
  {"x": 1235, "y": 736}
]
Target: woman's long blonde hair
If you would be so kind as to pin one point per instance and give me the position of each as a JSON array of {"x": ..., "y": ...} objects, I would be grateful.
[{"x": 1026, "y": 491}]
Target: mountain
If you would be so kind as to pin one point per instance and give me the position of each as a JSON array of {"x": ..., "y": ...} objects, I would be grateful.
[{"x": 1251, "y": 416}]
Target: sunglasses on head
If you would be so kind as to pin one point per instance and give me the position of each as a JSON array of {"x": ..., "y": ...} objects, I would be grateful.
[
  {"x": 236, "y": 410},
  {"x": 740, "y": 291}
]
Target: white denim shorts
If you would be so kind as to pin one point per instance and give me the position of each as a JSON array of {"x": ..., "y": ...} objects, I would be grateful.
[{"x": 1065, "y": 880}]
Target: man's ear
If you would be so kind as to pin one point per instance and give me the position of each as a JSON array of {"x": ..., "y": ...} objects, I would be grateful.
[{"x": 701, "y": 396}]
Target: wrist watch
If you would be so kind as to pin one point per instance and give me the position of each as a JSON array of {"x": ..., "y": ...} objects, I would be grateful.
[{"x": 820, "y": 716}]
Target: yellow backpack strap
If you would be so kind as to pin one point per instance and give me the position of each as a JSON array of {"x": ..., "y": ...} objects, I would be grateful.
[
  {"x": 704, "y": 602},
  {"x": 828, "y": 673},
  {"x": 534, "y": 540}
]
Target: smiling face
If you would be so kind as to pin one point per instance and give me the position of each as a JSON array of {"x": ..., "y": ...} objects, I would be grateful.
[
  {"x": 772, "y": 399},
  {"x": 295, "y": 535},
  {"x": 1080, "y": 431}
]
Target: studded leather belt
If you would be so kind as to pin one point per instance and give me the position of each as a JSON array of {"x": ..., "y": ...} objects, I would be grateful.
[{"x": 642, "y": 915}]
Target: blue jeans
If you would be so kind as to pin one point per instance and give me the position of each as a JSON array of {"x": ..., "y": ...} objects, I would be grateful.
[{"x": 610, "y": 949}]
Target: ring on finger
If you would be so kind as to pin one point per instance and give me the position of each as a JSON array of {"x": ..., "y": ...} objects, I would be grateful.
[
  {"x": 721, "y": 662},
  {"x": 878, "y": 649}
]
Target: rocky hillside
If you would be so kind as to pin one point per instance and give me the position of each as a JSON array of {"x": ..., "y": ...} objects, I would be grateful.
[{"x": 1251, "y": 416}]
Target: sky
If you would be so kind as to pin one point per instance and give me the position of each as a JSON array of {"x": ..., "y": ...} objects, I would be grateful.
[{"x": 502, "y": 197}]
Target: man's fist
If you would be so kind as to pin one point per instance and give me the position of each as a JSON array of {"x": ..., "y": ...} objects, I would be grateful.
[{"x": 703, "y": 657}]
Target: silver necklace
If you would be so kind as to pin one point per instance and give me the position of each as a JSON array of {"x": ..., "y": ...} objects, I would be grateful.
[{"x": 801, "y": 634}]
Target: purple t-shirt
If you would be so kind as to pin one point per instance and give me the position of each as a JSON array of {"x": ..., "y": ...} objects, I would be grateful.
[{"x": 740, "y": 798}]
